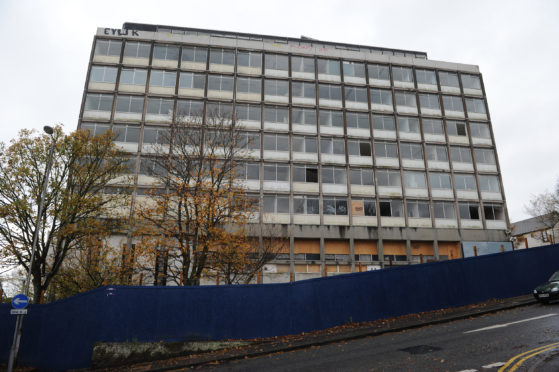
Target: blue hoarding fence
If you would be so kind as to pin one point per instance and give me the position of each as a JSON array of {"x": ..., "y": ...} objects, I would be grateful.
[{"x": 61, "y": 335}]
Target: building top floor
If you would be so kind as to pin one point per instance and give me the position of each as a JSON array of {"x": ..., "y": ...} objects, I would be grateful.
[{"x": 273, "y": 44}]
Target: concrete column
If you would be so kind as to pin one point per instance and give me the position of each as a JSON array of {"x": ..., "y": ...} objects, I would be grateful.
[
  {"x": 352, "y": 253},
  {"x": 380, "y": 252},
  {"x": 408, "y": 251},
  {"x": 292, "y": 256},
  {"x": 322, "y": 256}
]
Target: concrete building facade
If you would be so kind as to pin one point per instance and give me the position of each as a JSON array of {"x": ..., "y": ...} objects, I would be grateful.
[{"x": 363, "y": 156}]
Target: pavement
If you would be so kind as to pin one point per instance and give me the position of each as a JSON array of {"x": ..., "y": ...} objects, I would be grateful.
[{"x": 346, "y": 332}]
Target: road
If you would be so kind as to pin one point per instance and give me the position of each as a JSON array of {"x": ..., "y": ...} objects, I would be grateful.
[{"x": 521, "y": 339}]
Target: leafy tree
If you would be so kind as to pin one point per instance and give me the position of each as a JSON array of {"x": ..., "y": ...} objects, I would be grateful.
[
  {"x": 74, "y": 204},
  {"x": 545, "y": 208},
  {"x": 195, "y": 216}
]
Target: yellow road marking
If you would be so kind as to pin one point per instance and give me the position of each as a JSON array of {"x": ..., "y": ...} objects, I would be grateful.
[{"x": 531, "y": 353}]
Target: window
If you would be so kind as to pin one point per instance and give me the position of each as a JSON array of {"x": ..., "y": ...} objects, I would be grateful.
[
  {"x": 217, "y": 111},
  {"x": 303, "y": 204},
  {"x": 460, "y": 154},
  {"x": 137, "y": 50},
  {"x": 402, "y": 74},
  {"x": 408, "y": 125},
  {"x": 276, "y": 142},
  {"x": 248, "y": 112},
  {"x": 247, "y": 171},
  {"x": 453, "y": 103},
  {"x": 433, "y": 126},
  {"x": 194, "y": 54},
  {"x": 276, "y": 62},
  {"x": 151, "y": 167},
  {"x": 406, "y": 99},
  {"x": 387, "y": 177},
  {"x": 304, "y": 144},
  {"x": 412, "y": 151},
  {"x": 303, "y": 90},
  {"x": 332, "y": 92},
  {"x": 378, "y": 72},
  {"x": 95, "y": 129},
  {"x": 156, "y": 135},
  {"x": 220, "y": 83},
  {"x": 494, "y": 212},
  {"x": 449, "y": 79},
  {"x": 381, "y": 96},
  {"x": 133, "y": 76},
  {"x": 418, "y": 209},
  {"x": 471, "y": 82},
  {"x": 391, "y": 208},
  {"x": 354, "y": 69},
  {"x": 332, "y": 146},
  {"x": 302, "y": 64},
  {"x": 361, "y": 176},
  {"x": 469, "y": 211},
  {"x": 108, "y": 48},
  {"x": 276, "y": 88},
  {"x": 131, "y": 104},
  {"x": 249, "y": 140},
  {"x": 480, "y": 130},
  {"x": 357, "y": 120},
  {"x": 415, "y": 180},
  {"x": 426, "y": 77},
  {"x": 249, "y": 59},
  {"x": 99, "y": 102},
  {"x": 383, "y": 122},
  {"x": 160, "y": 106},
  {"x": 190, "y": 108},
  {"x": 166, "y": 52},
  {"x": 444, "y": 210},
  {"x": 456, "y": 128},
  {"x": 484, "y": 156},
  {"x": 489, "y": 183},
  {"x": 127, "y": 133},
  {"x": 465, "y": 182},
  {"x": 222, "y": 57},
  {"x": 475, "y": 105},
  {"x": 359, "y": 148},
  {"x": 436, "y": 153},
  {"x": 276, "y": 114},
  {"x": 190, "y": 80},
  {"x": 103, "y": 74},
  {"x": 364, "y": 207},
  {"x": 334, "y": 175},
  {"x": 276, "y": 204},
  {"x": 305, "y": 173},
  {"x": 386, "y": 149},
  {"x": 334, "y": 205},
  {"x": 328, "y": 66},
  {"x": 429, "y": 101},
  {"x": 331, "y": 118},
  {"x": 304, "y": 116},
  {"x": 355, "y": 94},
  {"x": 249, "y": 85},
  {"x": 160, "y": 78},
  {"x": 276, "y": 172},
  {"x": 440, "y": 181}
]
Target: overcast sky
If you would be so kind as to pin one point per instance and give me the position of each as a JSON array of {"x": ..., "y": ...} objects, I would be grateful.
[{"x": 46, "y": 47}]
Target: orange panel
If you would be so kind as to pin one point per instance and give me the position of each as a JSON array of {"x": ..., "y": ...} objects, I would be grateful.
[
  {"x": 306, "y": 246},
  {"x": 336, "y": 246},
  {"x": 307, "y": 268},
  {"x": 365, "y": 247},
  {"x": 424, "y": 248},
  {"x": 450, "y": 249},
  {"x": 344, "y": 268},
  {"x": 282, "y": 268},
  {"x": 357, "y": 208},
  {"x": 394, "y": 247}
]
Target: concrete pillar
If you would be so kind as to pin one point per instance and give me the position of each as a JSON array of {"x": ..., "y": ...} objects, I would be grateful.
[{"x": 408, "y": 251}]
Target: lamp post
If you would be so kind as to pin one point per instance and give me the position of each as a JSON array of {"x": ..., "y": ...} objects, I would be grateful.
[{"x": 19, "y": 321}]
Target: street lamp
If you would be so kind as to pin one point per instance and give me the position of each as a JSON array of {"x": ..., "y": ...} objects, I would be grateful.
[{"x": 19, "y": 322}]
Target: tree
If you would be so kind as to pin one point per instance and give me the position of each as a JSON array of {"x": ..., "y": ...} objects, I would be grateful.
[
  {"x": 74, "y": 204},
  {"x": 545, "y": 208},
  {"x": 196, "y": 215}
]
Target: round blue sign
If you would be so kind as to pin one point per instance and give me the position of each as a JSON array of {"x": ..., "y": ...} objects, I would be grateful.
[{"x": 20, "y": 301}]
